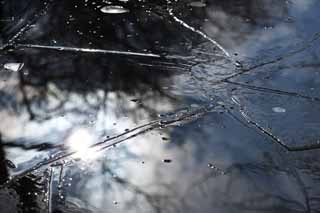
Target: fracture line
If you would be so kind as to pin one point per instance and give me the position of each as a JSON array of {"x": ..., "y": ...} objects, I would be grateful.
[
  {"x": 198, "y": 32},
  {"x": 87, "y": 50}
]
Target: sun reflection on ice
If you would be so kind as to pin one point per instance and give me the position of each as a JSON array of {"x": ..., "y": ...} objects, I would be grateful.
[{"x": 80, "y": 141}]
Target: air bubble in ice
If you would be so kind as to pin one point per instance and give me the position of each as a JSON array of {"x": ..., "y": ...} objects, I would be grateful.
[
  {"x": 114, "y": 9},
  {"x": 278, "y": 109}
]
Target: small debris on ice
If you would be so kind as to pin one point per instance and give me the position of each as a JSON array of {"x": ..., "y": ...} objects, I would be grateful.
[{"x": 15, "y": 67}]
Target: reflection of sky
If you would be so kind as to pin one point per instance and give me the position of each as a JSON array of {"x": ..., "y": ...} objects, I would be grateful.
[
  {"x": 109, "y": 120},
  {"x": 188, "y": 181},
  {"x": 241, "y": 37},
  {"x": 142, "y": 181}
]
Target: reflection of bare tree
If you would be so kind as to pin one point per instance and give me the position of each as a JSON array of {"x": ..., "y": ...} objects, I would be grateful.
[
  {"x": 258, "y": 198},
  {"x": 27, "y": 188},
  {"x": 231, "y": 22},
  {"x": 72, "y": 78},
  {"x": 51, "y": 79},
  {"x": 114, "y": 184},
  {"x": 3, "y": 168}
]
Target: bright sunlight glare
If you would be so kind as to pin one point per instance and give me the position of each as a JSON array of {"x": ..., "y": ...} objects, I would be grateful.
[{"x": 80, "y": 141}]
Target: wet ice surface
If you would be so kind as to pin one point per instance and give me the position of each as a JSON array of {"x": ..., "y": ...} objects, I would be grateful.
[{"x": 159, "y": 106}]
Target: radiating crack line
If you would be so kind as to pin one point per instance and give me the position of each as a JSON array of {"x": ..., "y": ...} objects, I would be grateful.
[
  {"x": 87, "y": 50},
  {"x": 309, "y": 44},
  {"x": 273, "y": 91},
  {"x": 186, "y": 59},
  {"x": 156, "y": 126},
  {"x": 184, "y": 24},
  {"x": 65, "y": 155},
  {"x": 27, "y": 26},
  {"x": 274, "y": 138},
  {"x": 160, "y": 123},
  {"x": 49, "y": 191}
]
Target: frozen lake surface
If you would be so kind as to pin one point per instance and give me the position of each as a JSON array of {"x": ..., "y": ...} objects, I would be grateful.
[{"x": 159, "y": 106}]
